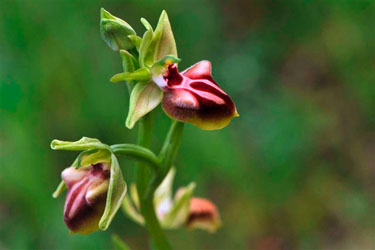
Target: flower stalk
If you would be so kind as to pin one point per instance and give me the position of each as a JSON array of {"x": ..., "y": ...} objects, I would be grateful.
[{"x": 158, "y": 237}]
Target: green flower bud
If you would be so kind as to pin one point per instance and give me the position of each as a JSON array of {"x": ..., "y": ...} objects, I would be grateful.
[{"x": 115, "y": 31}]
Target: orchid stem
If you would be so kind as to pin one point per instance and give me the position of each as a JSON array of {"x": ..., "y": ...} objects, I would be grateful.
[
  {"x": 137, "y": 153},
  {"x": 159, "y": 240}
]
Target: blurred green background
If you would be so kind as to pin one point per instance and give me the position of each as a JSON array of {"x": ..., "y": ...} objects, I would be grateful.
[{"x": 294, "y": 171}]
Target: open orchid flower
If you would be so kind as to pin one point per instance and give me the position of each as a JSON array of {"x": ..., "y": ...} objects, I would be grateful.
[
  {"x": 194, "y": 97},
  {"x": 182, "y": 210}
]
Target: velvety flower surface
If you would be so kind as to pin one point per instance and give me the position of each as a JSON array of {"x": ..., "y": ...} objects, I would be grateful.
[
  {"x": 194, "y": 97},
  {"x": 203, "y": 214},
  {"x": 86, "y": 197}
]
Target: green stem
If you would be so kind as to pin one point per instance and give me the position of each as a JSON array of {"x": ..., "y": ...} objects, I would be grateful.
[
  {"x": 167, "y": 155},
  {"x": 137, "y": 153},
  {"x": 143, "y": 180},
  {"x": 170, "y": 148},
  {"x": 144, "y": 140}
]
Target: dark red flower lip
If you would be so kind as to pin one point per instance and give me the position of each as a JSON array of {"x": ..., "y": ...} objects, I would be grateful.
[{"x": 194, "y": 97}]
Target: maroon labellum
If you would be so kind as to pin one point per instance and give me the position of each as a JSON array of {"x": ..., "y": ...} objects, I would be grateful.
[
  {"x": 194, "y": 97},
  {"x": 86, "y": 197}
]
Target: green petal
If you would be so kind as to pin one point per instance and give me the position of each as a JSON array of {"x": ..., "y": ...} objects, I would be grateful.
[{"x": 116, "y": 194}]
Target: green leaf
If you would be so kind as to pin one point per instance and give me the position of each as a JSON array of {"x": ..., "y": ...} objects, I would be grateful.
[
  {"x": 116, "y": 194},
  {"x": 163, "y": 38},
  {"x": 115, "y": 31},
  {"x": 84, "y": 143},
  {"x": 118, "y": 243},
  {"x": 179, "y": 212},
  {"x": 144, "y": 98},
  {"x": 142, "y": 75},
  {"x": 60, "y": 188},
  {"x": 144, "y": 47},
  {"x": 135, "y": 40}
]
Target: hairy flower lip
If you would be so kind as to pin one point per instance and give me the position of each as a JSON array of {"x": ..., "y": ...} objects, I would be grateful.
[{"x": 86, "y": 197}]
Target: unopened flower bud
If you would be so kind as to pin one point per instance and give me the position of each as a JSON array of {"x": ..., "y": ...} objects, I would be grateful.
[
  {"x": 115, "y": 31},
  {"x": 203, "y": 214},
  {"x": 86, "y": 197},
  {"x": 194, "y": 97}
]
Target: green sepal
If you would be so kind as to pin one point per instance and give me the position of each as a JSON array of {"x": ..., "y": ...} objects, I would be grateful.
[
  {"x": 141, "y": 75},
  {"x": 115, "y": 195},
  {"x": 118, "y": 243},
  {"x": 163, "y": 40},
  {"x": 135, "y": 40},
  {"x": 84, "y": 143},
  {"x": 143, "y": 99},
  {"x": 160, "y": 66},
  {"x": 115, "y": 31},
  {"x": 179, "y": 212}
]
